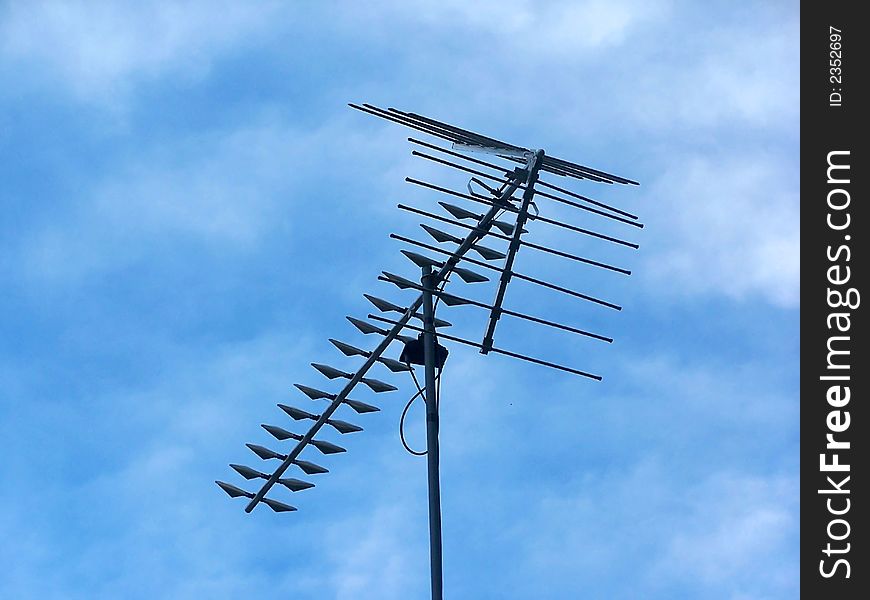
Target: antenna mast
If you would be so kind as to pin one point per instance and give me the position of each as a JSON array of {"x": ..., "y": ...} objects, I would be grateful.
[{"x": 424, "y": 349}]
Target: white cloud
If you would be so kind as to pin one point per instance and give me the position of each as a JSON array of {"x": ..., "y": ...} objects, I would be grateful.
[
  {"x": 549, "y": 28},
  {"x": 732, "y": 525},
  {"x": 370, "y": 556},
  {"x": 532, "y": 29},
  {"x": 722, "y": 81},
  {"x": 226, "y": 195},
  {"x": 227, "y": 189},
  {"x": 136, "y": 518},
  {"x": 100, "y": 49},
  {"x": 647, "y": 528},
  {"x": 727, "y": 225}
]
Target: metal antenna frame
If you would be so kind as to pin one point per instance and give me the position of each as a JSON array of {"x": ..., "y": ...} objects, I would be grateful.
[
  {"x": 522, "y": 216},
  {"x": 466, "y": 245},
  {"x": 434, "y": 275}
]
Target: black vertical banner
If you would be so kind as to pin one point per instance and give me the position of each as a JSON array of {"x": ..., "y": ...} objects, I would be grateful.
[{"x": 835, "y": 368}]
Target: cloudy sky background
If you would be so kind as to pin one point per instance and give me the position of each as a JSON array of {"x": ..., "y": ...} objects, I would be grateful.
[{"x": 189, "y": 210}]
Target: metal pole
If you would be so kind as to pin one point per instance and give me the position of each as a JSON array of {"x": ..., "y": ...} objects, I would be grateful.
[{"x": 429, "y": 281}]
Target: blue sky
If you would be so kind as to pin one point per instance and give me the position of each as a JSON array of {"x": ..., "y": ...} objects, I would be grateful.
[{"x": 190, "y": 210}]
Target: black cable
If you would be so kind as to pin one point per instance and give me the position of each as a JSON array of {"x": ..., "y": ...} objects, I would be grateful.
[
  {"x": 411, "y": 401},
  {"x": 405, "y": 412},
  {"x": 438, "y": 391},
  {"x": 402, "y": 428},
  {"x": 441, "y": 289}
]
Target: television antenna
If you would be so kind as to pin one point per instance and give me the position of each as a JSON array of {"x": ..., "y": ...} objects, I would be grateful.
[{"x": 493, "y": 190}]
